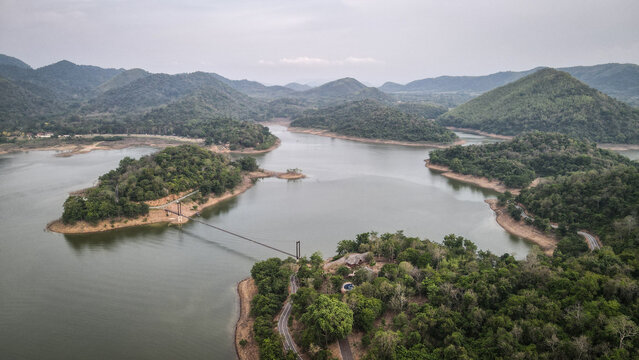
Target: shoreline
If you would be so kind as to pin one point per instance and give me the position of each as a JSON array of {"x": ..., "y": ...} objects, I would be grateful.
[
  {"x": 482, "y": 182},
  {"x": 158, "y": 216},
  {"x": 246, "y": 290},
  {"x": 546, "y": 242},
  {"x": 327, "y": 133},
  {"x": 479, "y": 132},
  {"x": 132, "y": 140}
]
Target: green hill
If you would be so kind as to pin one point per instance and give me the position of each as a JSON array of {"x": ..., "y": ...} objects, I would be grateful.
[
  {"x": 19, "y": 105},
  {"x": 342, "y": 90},
  {"x": 519, "y": 161},
  {"x": 372, "y": 120},
  {"x": 549, "y": 100},
  {"x": 425, "y": 110},
  {"x": 10, "y": 60},
  {"x": 124, "y": 78}
]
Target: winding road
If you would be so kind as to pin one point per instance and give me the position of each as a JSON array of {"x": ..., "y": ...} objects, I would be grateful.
[
  {"x": 282, "y": 323},
  {"x": 591, "y": 240}
]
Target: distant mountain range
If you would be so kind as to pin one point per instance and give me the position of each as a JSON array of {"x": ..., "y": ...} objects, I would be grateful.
[
  {"x": 66, "y": 97},
  {"x": 620, "y": 81},
  {"x": 548, "y": 100}
]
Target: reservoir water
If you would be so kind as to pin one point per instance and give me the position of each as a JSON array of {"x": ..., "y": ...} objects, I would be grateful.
[{"x": 161, "y": 292}]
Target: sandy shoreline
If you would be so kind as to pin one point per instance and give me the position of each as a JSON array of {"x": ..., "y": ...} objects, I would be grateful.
[
  {"x": 482, "y": 182},
  {"x": 133, "y": 140},
  {"x": 156, "y": 216},
  {"x": 246, "y": 290},
  {"x": 372, "y": 141},
  {"x": 546, "y": 242}
]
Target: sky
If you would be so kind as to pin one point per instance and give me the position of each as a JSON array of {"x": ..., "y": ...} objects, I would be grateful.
[{"x": 314, "y": 41}]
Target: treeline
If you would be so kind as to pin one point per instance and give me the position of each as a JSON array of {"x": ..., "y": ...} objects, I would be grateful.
[
  {"x": 450, "y": 301},
  {"x": 605, "y": 202},
  {"x": 519, "y": 161},
  {"x": 372, "y": 120},
  {"x": 122, "y": 192}
]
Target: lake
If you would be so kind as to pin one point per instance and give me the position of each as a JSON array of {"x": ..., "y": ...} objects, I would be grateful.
[{"x": 161, "y": 292}]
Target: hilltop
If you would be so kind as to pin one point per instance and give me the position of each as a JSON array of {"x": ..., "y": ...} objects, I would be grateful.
[
  {"x": 548, "y": 100},
  {"x": 373, "y": 120},
  {"x": 346, "y": 89},
  {"x": 620, "y": 81}
]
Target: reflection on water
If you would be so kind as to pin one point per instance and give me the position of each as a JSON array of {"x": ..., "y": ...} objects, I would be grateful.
[{"x": 168, "y": 292}]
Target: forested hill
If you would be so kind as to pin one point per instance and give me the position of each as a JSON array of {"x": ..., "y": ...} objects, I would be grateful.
[
  {"x": 339, "y": 91},
  {"x": 417, "y": 299},
  {"x": 519, "y": 161},
  {"x": 604, "y": 202},
  {"x": 121, "y": 192},
  {"x": 620, "y": 81},
  {"x": 372, "y": 120},
  {"x": 549, "y": 100}
]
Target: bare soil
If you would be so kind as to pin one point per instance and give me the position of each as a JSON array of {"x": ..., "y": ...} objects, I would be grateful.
[
  {"x": 546, "y": 242},
  {"x": 482, "y": 182},
  {"x": 372, "y": 141},
  {"x": 156, "y": 215},
  {"x": 246, "y": 290}
]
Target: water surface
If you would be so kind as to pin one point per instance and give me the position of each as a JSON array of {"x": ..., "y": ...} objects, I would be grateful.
[{"x": 160, "y": 292}]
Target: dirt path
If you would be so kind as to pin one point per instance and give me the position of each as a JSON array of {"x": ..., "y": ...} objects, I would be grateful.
[
  {"x": 482, "y": 182},
  {"x": 372, "y": 141},
  {"x": 246, "y": 290},
  {"x": 546, "y": 242}
]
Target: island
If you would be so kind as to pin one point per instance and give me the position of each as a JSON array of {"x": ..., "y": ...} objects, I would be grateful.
[
  {"x": 412, "y": 298},
  {"x": 372, "y": 121},
  {"x": 148, "y": 190}
]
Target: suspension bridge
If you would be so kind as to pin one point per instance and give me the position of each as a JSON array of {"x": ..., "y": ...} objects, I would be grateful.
[{"x": 180, "y": 214}]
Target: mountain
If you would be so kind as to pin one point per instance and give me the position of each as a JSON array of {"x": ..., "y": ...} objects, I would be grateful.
[
  {"x": 297, "y": 86},
  {"x": 373, "y": 120},
  {"x": 425, "y": 110},
  {"x": 548, "y": 100},
  {"x": 124, "y": 78},
  {"x": 256, "y": 89},
  {"x": 620, "y": 81},
  {"x": 9, "y": 60},
  {"x": 65, "y": 78},
  {"x": 346, "y": 89},
  {"x": 470, "y": 84},
  {"x": 18, "y": 105}
]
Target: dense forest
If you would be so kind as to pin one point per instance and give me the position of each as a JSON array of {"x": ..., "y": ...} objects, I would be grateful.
[
  {"x": 372, "y": 120},
  {"x": 519, "y": 161},
  {"x": 417, "y": 299},
  {"x": 122, "y": 192},
  {"x": 548, "y": 100},
  {"x": 605, "y": 202}
]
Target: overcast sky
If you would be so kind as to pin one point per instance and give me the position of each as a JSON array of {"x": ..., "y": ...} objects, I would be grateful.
[{"x": 316, "y": 40}]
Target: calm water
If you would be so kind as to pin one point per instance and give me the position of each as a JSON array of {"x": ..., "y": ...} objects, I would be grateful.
[{"x": 163, "y": 293}]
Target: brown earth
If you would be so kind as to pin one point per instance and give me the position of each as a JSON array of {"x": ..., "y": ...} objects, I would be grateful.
[
  {"x": 482, "y": 182},
  {"x": 546, "y": 242},
  {"x": 372, "y": 141},
  {"x": 246, "y": 290},
  {"x": 156, "y": 215}
]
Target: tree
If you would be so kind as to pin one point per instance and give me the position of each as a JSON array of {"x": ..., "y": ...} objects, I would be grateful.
[
  {"x": 623, "y": 327},
  {"x": 328, "y": 319}
]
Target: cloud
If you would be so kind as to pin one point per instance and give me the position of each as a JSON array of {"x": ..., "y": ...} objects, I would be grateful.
[{"x": 313, "y": 61}]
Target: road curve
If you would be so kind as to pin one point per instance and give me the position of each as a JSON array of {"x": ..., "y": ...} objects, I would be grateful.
[
  {"x": 593, "y": 244},
  {"x": 282, "y": 323}
]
